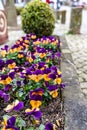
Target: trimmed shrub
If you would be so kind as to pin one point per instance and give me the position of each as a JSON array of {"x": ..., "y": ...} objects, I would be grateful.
[
  {"x": 38, "y": 18},
  {"x": 18, "y": 10}
]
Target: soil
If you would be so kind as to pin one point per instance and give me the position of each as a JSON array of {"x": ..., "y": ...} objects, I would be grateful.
[{"x": 52, "y": 112}]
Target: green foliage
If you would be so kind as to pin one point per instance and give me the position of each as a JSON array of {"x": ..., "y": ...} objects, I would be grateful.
[
  {"x": 38, "y": 18},
  {"x": 41, "y": 127},
  {"x": 20, "y": 123},
  {"x": 18, "y": 10}
]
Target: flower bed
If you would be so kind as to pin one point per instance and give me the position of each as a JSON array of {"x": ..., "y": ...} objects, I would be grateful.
[{"x": 30, "y": 84}]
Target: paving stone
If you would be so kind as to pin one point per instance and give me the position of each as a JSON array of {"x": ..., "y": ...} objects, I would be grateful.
[
  {"x": 85, "y": 67},
  {"x": 80, "y": 79},
  {"x": 79, "y": 65},
  {"x": 83, "y": 85},
  {"x": 66, "y": 51},
  {"x": 83, "y": 75},
  {"x": 74, "y": 102},
  {"x": 84, "y": 92},
  {"x": 79, "y": 71}
]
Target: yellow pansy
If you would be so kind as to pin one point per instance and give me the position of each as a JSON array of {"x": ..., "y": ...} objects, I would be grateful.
[
  {"x": 11, "y": 66},
  {"x": 54, "y": 93},
  {"x": 8, "y": 80},
  {"x": 20, "y": 55},
  {"x": 46, "y": 78},
  {"x": 26, "y": 41},
  {"x": 35, "y": 104},
  {"x": 58, "y": 81},
  {"x": 42, "y": 55},
  {"x": 3, "y": 53}
]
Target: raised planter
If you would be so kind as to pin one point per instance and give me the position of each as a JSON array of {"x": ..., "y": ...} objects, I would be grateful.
[{"x": 3, "y": 25}]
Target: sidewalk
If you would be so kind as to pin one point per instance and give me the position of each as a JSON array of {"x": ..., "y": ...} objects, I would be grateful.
[{"x": 75, "y": 103}]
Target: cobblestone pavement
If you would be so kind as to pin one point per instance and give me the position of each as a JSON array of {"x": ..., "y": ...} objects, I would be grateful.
[{"x": 78, "y": 47}]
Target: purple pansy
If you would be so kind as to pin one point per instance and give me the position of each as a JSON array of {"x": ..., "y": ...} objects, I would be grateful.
[
  {"x": 52, "y": 87},
  {"x": 41, "y": 64},
  {"x": 16, "y": 105},
  {"x": 28, "y": 71},
  {"x": 35, "y": 112},
  {"x": 62, "y": 85},
  {"x": 2, "y": 63},
  {"x": 11, "y": 123},
  {"x": 49, "y": 126},
  {"x": 37, "y": 72},
  {"x": 19, "y": 106},
  {"x": 4, "y": 95},
  {"x": 52, "y": 76},
  {"x": 12, "y": 75},
  {"x": 47, "y": 71},
  {"x": 9, "y": 62},
  {"x": 38, "y": 90},
  {"x": 8, "y": 87},
  {"x": 18, "y": 83},
  {"x": 58, "y": 54},
  {"x": 6, "y": 47},
  {"x": 4, "y": 76},
  {"x": 36, "y": 97},
  {"x": 41, "y": 50}
]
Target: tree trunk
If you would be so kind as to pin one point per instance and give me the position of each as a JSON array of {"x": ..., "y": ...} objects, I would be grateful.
[
  {"x": 26, "y": 1},
  {"x": 11, "y": 13}
]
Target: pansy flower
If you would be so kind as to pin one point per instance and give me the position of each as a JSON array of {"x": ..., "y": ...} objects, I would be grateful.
[
  {"x": 35, "y": 77},
  {"x": 42, "y": 55},
  {"x": 2, "y": 63},
  {"x": 46, "y": 77},
  {"x": 58, "y": 54},
  {"x": 52, "y": 76},
  {"x": 4, "y": 50},
  {"x": 36, "y": 41},
  {"x": 11, "y": 64},
  {"x": 5, "y": 79},
  {"x": 9, "y": 124},
  {"x": 50, "y": 126},
  {"x": 20, "y": 55},
  {"x": 53, "y": 90},
  {"x": 30, "y": 59},
  {"x": 16, "y": 105},
  {"x": 38, "y": 91},
  {"x": 33, "y": 36},
  {"x": 62, "y": 85},
  {"x": 58, "y": 81},
  {"x": 36, "y": 113},
  {"x": 35, "y": 101},
  {"x": 59, "y": 73},
  {"x": 4, "y": 95},
  {"x": 12, "y": 74},
  {"x": 18, "y": 83},
  {"x": 8, "y": 87}
]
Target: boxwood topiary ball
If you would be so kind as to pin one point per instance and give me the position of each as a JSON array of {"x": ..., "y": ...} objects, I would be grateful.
[{"x": 38, "y": 18}]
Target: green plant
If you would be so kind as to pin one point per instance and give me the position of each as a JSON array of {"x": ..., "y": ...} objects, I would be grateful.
[
  {"x": 38, "y": 18},
  {"x": 18, "y": 10}
]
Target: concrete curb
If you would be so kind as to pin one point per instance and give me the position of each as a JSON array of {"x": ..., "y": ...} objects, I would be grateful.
[{"x": 74, "y": 105}]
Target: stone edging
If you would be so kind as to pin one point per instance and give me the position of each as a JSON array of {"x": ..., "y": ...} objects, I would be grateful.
[{"x": 75, "y": 107}]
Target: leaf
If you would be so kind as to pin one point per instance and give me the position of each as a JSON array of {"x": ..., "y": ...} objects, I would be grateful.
[
  {"x": 41, "y": 127},
  {"x": 6, "y": 116},
  {"x": 30, "y": 128},
  {"x": 20, "y": 122}
]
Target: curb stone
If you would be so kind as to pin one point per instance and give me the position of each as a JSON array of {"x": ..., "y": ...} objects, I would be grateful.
[{"x": 75, "y": 107}]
